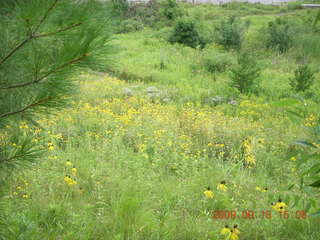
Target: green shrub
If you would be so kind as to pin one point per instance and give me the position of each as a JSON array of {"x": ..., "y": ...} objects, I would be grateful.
[
  {"x": 278, "y": 35},
  {"x": 303, "y": 79},
  {"x": 294, "y": 6},
  {"x": 230, "y": 32},
  {"x": 186, "y": 32},
  {"x": 217, "y": 63},
  {"x": 170, "y": 9},
  {"x": 130, "y": 25},
  {"x": 245, "y": 74}
]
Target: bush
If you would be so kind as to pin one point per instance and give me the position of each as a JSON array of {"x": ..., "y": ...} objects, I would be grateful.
[
  {"x": 279, "y": 36},
  {"x": 229, "y": 33},
  {"x": 185, "y": 32},
  {"x": 303, "y": 79},
  {"x": 245, "y": 74},
  {"x": 170, "y": 9},
  {"x": 217, "y": 63},
  {"x": 130, "y": 25},
  {"x": 294, "y": 6}
]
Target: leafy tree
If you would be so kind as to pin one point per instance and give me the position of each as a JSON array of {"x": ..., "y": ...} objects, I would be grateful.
[
  {"x": 244, "y": 75},
  {"x": 278, "y": 35},
  {"x": 42, "y": 44},
  {"x": 230, "y": 32}
]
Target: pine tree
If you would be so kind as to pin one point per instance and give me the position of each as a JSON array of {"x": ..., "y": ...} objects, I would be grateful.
[{"x": 42, "y": 44}]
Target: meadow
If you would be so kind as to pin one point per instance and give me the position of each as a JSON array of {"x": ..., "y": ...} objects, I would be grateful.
[{"x": 160, "y": 147}]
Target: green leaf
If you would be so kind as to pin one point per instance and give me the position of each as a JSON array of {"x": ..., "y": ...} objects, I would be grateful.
[
  {"x": 291, "y": 186},
  {"x": 296, "y": 200},
  {"x": 315, "y": 214},
  {"x": 314, "y": 169},
  {"x": 313, "y": 203},
  {"x": 307, "y": 208},
  {"x": 305, "y": 144},
  {"x": 315, "y": 184},
  {"x": 301, "y": 183}
]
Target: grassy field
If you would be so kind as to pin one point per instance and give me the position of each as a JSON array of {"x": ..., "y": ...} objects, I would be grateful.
[{"x": 134, "y": 154}]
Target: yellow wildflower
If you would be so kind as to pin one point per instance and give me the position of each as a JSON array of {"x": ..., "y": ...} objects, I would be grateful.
[
  {"x": 233, "y": 236},
  {"x": 72, "y": 182},
  {"x": 50, "y": 146},
  {"x": 293, "y": 158},
  {"x": 236, "y": 230},
  {"x": 67, "y": 179},
  {"x": 68, "y": 163},
  {"x": 222, "y": 186},
  {"x": 225, "y": 231},
  {"x": 25, "y": 196},
  {"x": 208, "y": 193},
  {"x": 261, "y": 189},
  {"x": 74, "y": 171},
  {"x": 280, "y": 206},
  {"x": 81, "y": 190}
]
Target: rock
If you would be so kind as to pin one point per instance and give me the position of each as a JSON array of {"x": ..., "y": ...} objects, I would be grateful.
[
  {"x": 233, "y": 102},
  {"x": 217, "y": 100},
  {"x": 127, "y": 91},
  {"x": 152, "y": 90}
]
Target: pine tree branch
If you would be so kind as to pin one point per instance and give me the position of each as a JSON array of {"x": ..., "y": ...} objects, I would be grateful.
[
  {"x": 58, "y": 31},
  {"x": 34, "y": 36},
  {"x": 31, "y": 36},
  {"x": 45, "y": 16},
  {"x": 14, "y": 157},
  {"x": 16, "y": 48},
  {"x": 25, "y": 108},
  {"x": 47, "y": 74}
]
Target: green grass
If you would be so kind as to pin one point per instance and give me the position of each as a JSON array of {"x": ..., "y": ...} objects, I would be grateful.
[{"x": 143, "y": 161}]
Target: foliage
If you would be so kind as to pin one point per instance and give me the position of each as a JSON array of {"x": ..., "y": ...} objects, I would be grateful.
[
  {"x": 303, "y": 79},
  {"x": 316, "y": 19},
  {"x": 140, "y": 152},
  {"x": 186, "y": 32},
  {"x": 120, "y": 7},
  {"x": 294, "y": 5},
  {"x": 155, "y": 148},
  {"x": 130, "y": 25},
  {"x": 44, "y": 43},
  {"x": 309, "y": 152},
  {"x": 170, "y": 9},
  {"x": 147, "y": 13},
  {"x": 278, "y": 35},
  {"x": 245, "y": 74},
  {"x": 217, "y": 62},
  {"x": 230, "y": 33}
]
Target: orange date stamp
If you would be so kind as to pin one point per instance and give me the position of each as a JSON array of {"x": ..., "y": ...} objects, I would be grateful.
[{"x": 261, "y": 214}]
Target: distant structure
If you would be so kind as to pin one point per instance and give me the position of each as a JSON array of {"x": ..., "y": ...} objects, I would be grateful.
[{"x": 218, "y": 2}]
